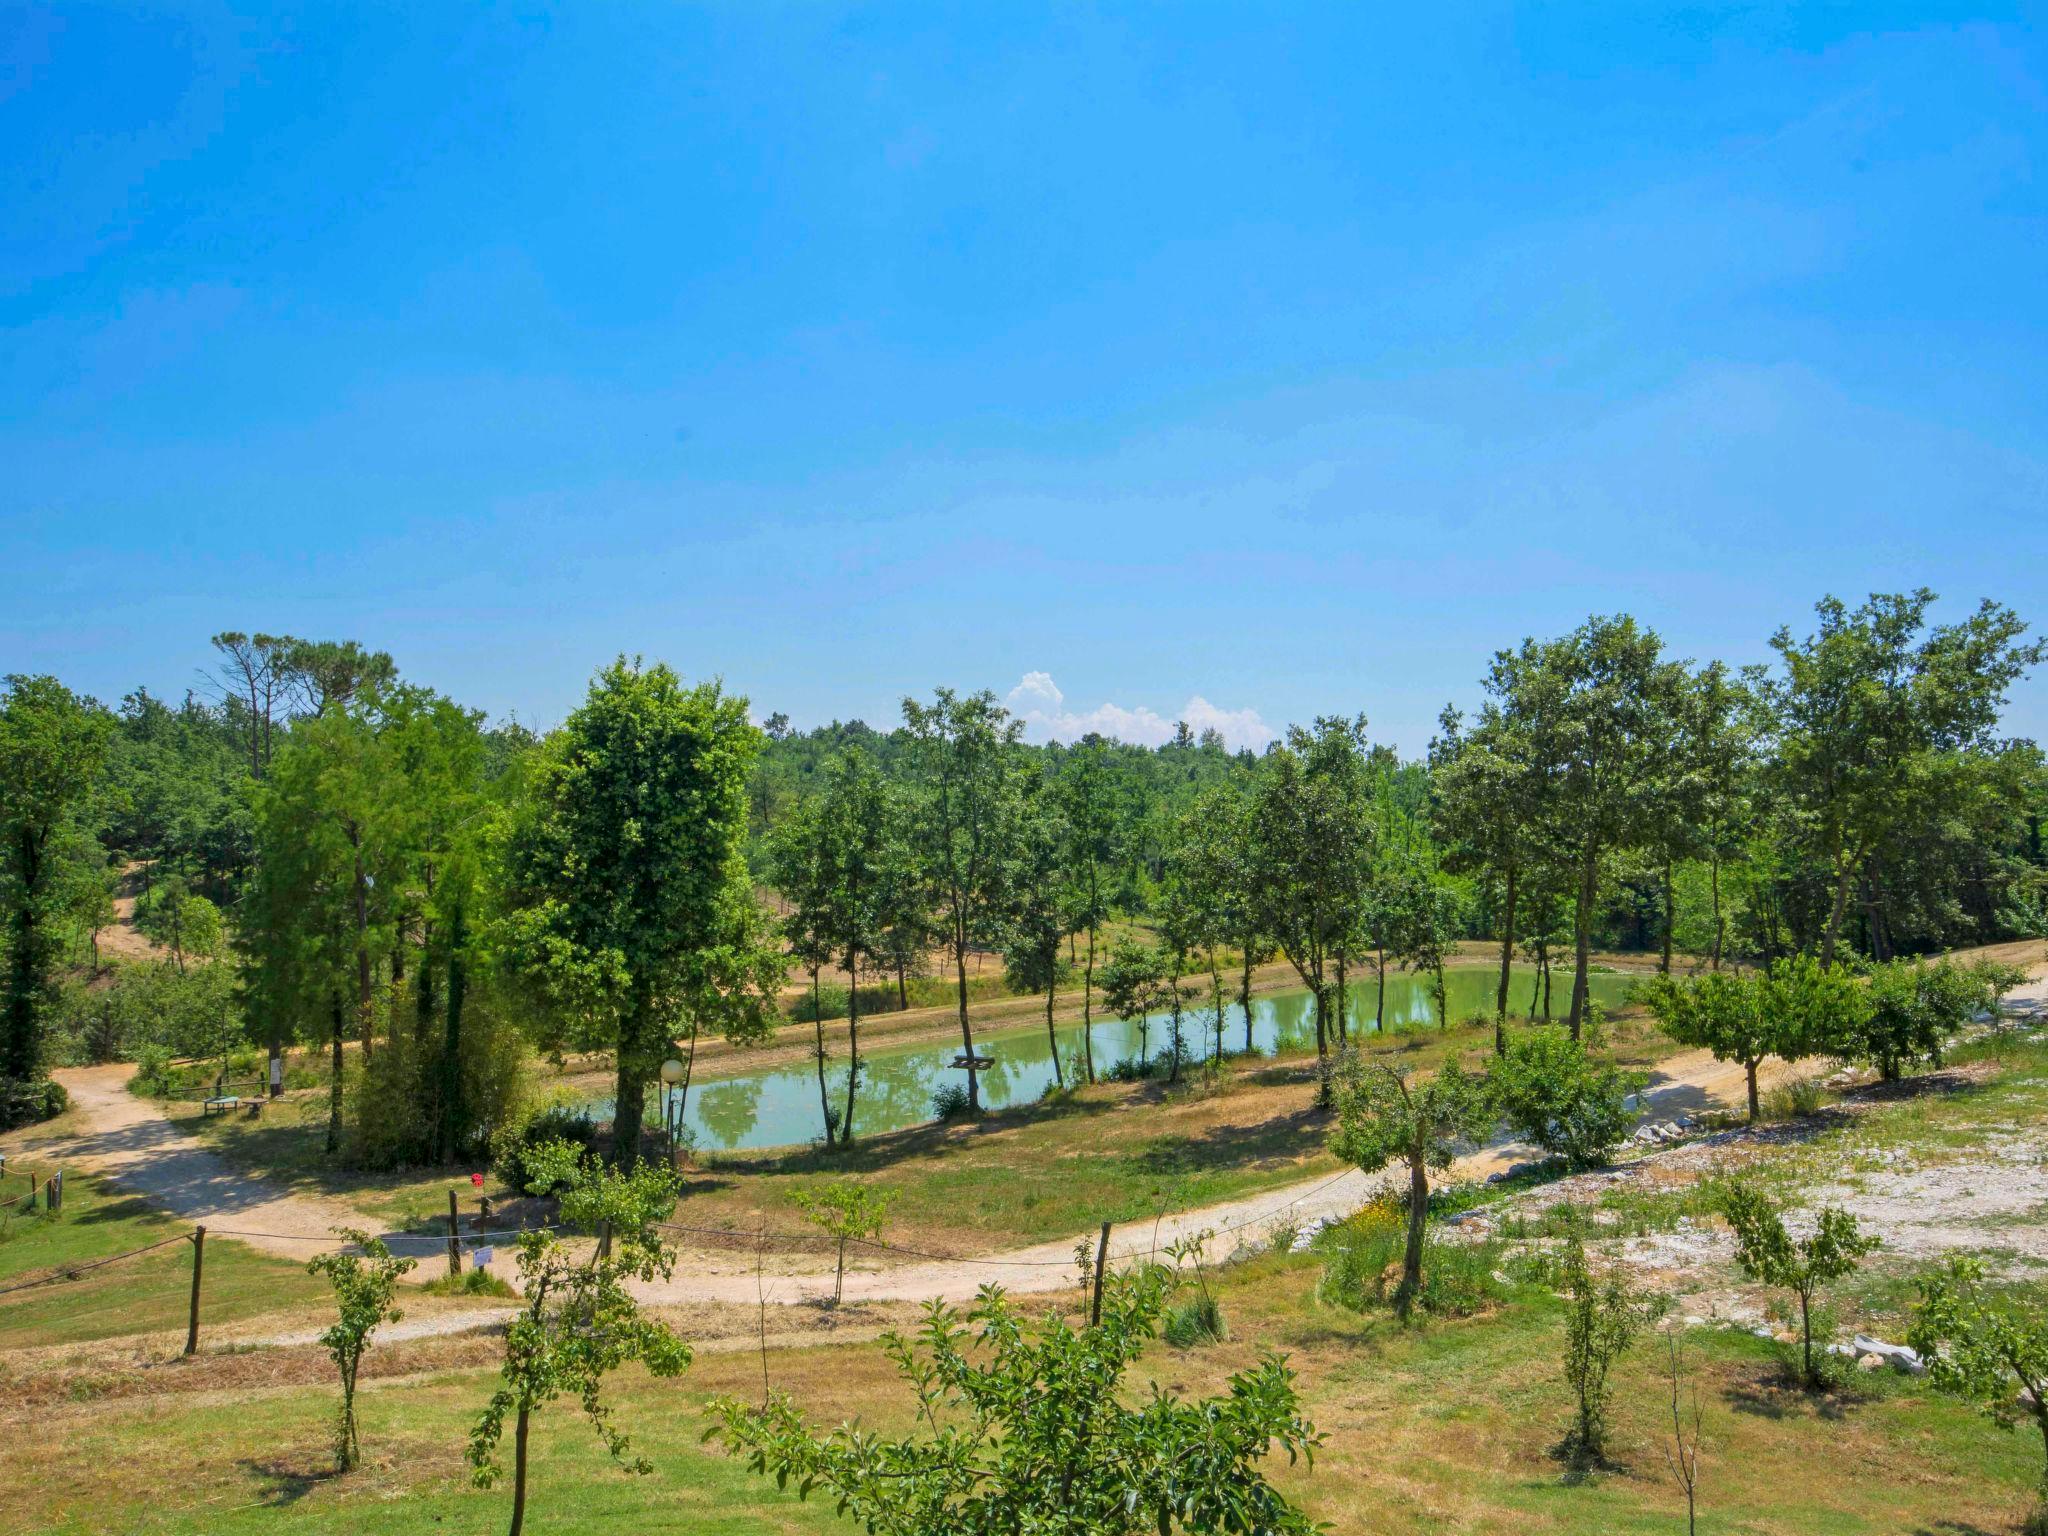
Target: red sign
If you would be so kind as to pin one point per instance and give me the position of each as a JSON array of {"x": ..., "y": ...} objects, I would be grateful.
[{"x": 477, "y": 1179}]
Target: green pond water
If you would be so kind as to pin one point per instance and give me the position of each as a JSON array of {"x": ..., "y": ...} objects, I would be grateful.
[{"x": 779, "y": 1106}]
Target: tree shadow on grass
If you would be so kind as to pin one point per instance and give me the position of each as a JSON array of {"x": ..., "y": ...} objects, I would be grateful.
[
  {"x": 283, "y": 1483},
  {"x": 1780, "y": 1396},
  {"x": 1285, "y": 1138}
]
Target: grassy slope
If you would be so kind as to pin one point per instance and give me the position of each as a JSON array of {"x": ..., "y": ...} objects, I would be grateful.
[
  {"x": 136, "y": 1295},
  {"x": 1449, "y": 1427}
]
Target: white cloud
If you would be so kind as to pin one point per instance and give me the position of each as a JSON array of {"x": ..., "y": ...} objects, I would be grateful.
[{"x": 1039, "y": 703}]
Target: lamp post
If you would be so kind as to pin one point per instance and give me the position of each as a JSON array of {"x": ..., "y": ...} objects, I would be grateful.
[{"x": 671, "y": 1074}]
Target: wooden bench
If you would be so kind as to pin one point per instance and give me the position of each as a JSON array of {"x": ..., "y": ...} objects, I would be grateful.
[
  {"x": 219, "y": 1104},
  {"x": 253, "y": 1108}
]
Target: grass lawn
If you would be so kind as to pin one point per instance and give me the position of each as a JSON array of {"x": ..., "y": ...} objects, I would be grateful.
[
  {"x": 142, "y": 1294},
  {"x": 1451, "y": 1426}
]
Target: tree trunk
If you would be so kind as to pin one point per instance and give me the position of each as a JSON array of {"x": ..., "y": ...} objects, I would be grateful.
[
  {"x": 1806, "y": 1337},
  {"x": 1052, "y": 1038},
  {"x": 1088, "y": 1008},
  {"x": 1343, "y": 1002},
  {"x": 630, "y": 1105},
  {"x": 818, "y": 1023},
  {"x": 1244, "y": 995},
  {"x": 1589, "y": 869},
  {"x": 452, "y": 1108},
  {"x": 1720, "y": 923},
  {"x": 364, "y": 1010},
  {"x": 519, "y": 1474},
  {"x": 334, "y": 1087},
  {"x": 1418, "y": 1218},
  {"x": 1670, "y": 912},
  {"x": 1507, "y": 958},
  {"x": 1755, "y": 1109},
  {"x": 1843, "y": 871},
  {"x": 1379, "y": 1005},
  {"x": 902, "y": 984},
  {"x": 966, "y": 1029},
  {"x": 852, "y": 1050}
]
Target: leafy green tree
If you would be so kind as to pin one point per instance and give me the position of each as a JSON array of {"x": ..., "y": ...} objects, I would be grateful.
[
  {"x": 1597, "y": 713},
  {"x": 1134, "y": 988},
  {"x": 1038, "y": 919},
  {"x": 962, "y": 752},
  {"x": 1421, "y": 930},
  {"x": 1793, "y": 1011},
  {"x": 1024, "y": 1427},
  {"x": 311, "y": 927},
  {"x": 321, "y": 673},
  {"x": 862, "y": 849},
  {"x": 797, "y": 865},
  {"x": 1768, "y": 1254},
  {"x": 1978, "y": 1345},
  {"x": 1092, "y": 793},
  {"x": 255, "y": 671},
  {"x": 1603, "y": 1316},
  {"x": 365, "y": 1278},
  {"x": 1218, "y": 863},
  {"x": 626, "y": 862},
  {"x": 1206, "y": 870},
  {"x": 1385, "y": 1114},
  {"x": 846, "y": 1211},
  {"x": 1312, "y": 847},
  {"x": 52, "y": 747},
  {"x": 1488, "y": 807},
  {"x": 1880, "y": 722},
  {"x": 1552, "y": 1093},
  {"x": 580, "y": 1323}
]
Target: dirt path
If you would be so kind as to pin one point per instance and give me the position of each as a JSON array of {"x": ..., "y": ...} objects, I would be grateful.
[{"x": 131, "y": 1144}]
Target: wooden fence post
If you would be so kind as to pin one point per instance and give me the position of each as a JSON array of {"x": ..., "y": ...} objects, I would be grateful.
[
  {"x": 198, "y": 1268},
  {"x": 454, "y": 1239},
  {"x": 1101, "y": 1263}
]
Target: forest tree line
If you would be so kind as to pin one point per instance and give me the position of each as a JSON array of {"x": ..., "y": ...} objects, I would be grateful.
[{"x": 331, "y": 854}]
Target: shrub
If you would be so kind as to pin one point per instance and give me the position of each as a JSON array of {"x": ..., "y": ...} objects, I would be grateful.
[
  {"x": 516, "y": 1161},
  {"x": 950, "y": 1103},
  {"x": 1913, "y": 1009},
  {"x": 1363, "y": 1264},
  {"x": 1195, "y": 1322},
  {"x": 1550, "y": 1091},
  {"x": 28, "y": 1103},
  {"x": 1795, "y": 1098}
]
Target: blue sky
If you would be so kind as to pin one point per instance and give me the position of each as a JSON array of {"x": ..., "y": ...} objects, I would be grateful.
[{"x": 1285, "y": 358}]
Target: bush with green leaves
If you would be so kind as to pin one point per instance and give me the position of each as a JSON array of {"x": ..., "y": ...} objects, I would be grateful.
[
  {"x": 1988, "y": 1349},
  {"x": 1556, "y": 1095},
  {"x": 365, "y": 1277},
  {"x": 580, "y": 1323},
  {"x": 1027, "y": 1426},
  {"x": 1914, "y": 1009},
  {"x": 513, "y": 1152},
  {"x": 1362, "y": 1264},
  {"x": 1604, "y": 1315},
  {"x": 846, "y": 1211},
  {"x": 1769, "y": 1254}
]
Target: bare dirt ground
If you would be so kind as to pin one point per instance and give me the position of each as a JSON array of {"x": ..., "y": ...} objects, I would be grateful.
[{"x": 1988, "y": 1197}]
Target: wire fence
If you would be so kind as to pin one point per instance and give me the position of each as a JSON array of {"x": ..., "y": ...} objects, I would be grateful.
[{"x": 458, "y": 1245}]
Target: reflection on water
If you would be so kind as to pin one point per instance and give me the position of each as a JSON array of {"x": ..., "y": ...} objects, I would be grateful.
[{"x": 779, "y": 1107}]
